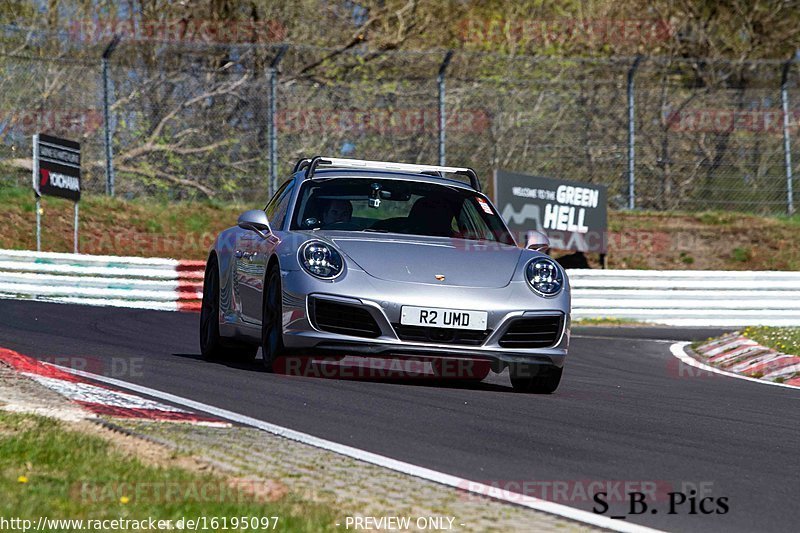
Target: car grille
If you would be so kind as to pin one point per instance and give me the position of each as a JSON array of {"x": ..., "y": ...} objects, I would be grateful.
[
  {"x": 342, "y": 318},
  {"x": 533, "y": 332},
  {"x": 465, "y": 337}
]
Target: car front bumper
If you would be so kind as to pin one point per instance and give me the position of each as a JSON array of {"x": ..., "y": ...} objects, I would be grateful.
[{"x": 383, "y": 300}]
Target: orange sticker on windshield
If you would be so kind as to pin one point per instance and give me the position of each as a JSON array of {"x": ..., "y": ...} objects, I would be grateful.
[{"x": 484, "y": 205}]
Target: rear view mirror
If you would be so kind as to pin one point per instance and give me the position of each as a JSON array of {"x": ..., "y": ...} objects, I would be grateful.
[
  {"x": 538, "y": 241},
  {"x": 255, "y": 220}
]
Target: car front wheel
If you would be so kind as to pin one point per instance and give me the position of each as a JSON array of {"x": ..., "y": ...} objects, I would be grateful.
[{"x": 272, "y": 320}]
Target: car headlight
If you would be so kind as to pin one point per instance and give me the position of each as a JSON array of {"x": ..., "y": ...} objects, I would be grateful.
[
  {"x": 321, "y": 260},
  {"x": 544, "y": 276}
]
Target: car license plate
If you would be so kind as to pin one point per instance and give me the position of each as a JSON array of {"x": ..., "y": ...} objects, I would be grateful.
[{"x": 434, "y": 317}]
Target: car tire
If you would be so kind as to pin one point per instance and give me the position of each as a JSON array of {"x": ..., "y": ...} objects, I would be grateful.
[
  {"x": 535, "y": 379},
  {"x": 212, "y": 345},
  {"x": 272, "y": 347}
]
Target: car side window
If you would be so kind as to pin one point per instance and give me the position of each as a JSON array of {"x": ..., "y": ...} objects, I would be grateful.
[
  {"x": 469, "y": 222},
  {"x": 277, "y": 207}
]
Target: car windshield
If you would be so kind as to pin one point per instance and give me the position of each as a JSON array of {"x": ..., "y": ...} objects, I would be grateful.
[{"x": 397, "y": 206}]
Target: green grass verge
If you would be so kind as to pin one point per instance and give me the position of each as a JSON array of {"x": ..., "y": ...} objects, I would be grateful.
[
  {"x": 786, "y": 340},
  {"x": 47, "y": 469}
]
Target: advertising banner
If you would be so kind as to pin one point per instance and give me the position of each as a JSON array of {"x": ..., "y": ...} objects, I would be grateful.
[{"x": 572, "y": 214}]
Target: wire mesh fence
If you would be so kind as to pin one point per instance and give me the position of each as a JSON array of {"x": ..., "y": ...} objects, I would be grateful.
[{"x": 195, "y": 120}]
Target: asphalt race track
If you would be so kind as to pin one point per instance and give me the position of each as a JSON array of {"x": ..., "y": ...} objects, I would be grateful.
[{"x": 626, "y": 411}]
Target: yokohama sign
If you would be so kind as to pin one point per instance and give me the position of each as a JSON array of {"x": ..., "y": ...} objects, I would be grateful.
[{"x": 57, "y": 167}]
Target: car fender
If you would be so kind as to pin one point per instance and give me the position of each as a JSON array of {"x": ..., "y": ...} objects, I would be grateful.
[{"x": 224, "y": 247}]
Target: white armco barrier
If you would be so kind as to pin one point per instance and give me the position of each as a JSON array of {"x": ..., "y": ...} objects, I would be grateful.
[
  {"x": 688, "y": 297},
  {"x": 673, "y": 297}
]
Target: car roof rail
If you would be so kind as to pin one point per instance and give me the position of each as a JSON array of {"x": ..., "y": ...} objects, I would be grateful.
[
  {"x": 300, "y": 165},
  {"x": 311, "y": 166}
]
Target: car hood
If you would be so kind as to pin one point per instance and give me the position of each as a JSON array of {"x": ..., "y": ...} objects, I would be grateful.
[{"x": 420, "y": 259}]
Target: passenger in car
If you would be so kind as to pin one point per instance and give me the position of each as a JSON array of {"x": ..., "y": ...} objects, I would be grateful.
[{"x": 432, "y": 217}]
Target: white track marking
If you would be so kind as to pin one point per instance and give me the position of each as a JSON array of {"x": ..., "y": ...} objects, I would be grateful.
[
  {"x": 665, "y": 341},
  {"x": 678, "y": 351},
  {"x": 380, "y": 460}
]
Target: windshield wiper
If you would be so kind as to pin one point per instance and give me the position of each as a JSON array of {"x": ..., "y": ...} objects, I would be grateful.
[{"x": 373, "y": 230}]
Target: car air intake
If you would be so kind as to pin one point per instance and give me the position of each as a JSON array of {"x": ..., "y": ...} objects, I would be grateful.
[
  {"x": 533, "y": 332},
  {"x": 344, "y": 319},
  {"x": 441, "y": 335}
]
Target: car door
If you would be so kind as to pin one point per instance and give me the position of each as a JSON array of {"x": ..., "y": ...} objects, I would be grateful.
[{"x": 252, "y": 253}]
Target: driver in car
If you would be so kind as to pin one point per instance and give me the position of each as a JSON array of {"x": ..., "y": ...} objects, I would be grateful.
[{"x": 337, "y": 211}]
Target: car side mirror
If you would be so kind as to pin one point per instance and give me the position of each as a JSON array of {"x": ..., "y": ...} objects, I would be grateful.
[
  {"x": 255, "y": 220},
  {"x": 538, "y": 241}
]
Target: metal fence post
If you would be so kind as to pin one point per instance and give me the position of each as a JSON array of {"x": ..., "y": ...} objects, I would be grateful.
[
  {"x": 442, "y": 125},
  {"x": 106, "y": 116},
  {"x": 75, "y": 231},
  {"x": 787, "y": 142},
  {"x": 35, "y": 178},
  {"x": 273, "y": 130},
  {"x": 632, "y": 136}
]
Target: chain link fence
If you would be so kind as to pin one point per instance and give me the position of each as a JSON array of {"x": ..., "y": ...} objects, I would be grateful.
[{"x": 196, "y": 120}]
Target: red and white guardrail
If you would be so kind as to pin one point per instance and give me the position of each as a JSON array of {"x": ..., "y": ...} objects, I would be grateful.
[
  {"x": 672, "y": 297},
  {"x": 139, "y": 282}
]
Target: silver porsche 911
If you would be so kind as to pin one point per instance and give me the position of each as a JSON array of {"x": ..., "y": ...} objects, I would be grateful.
[{"x": 379, "y": 259}]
